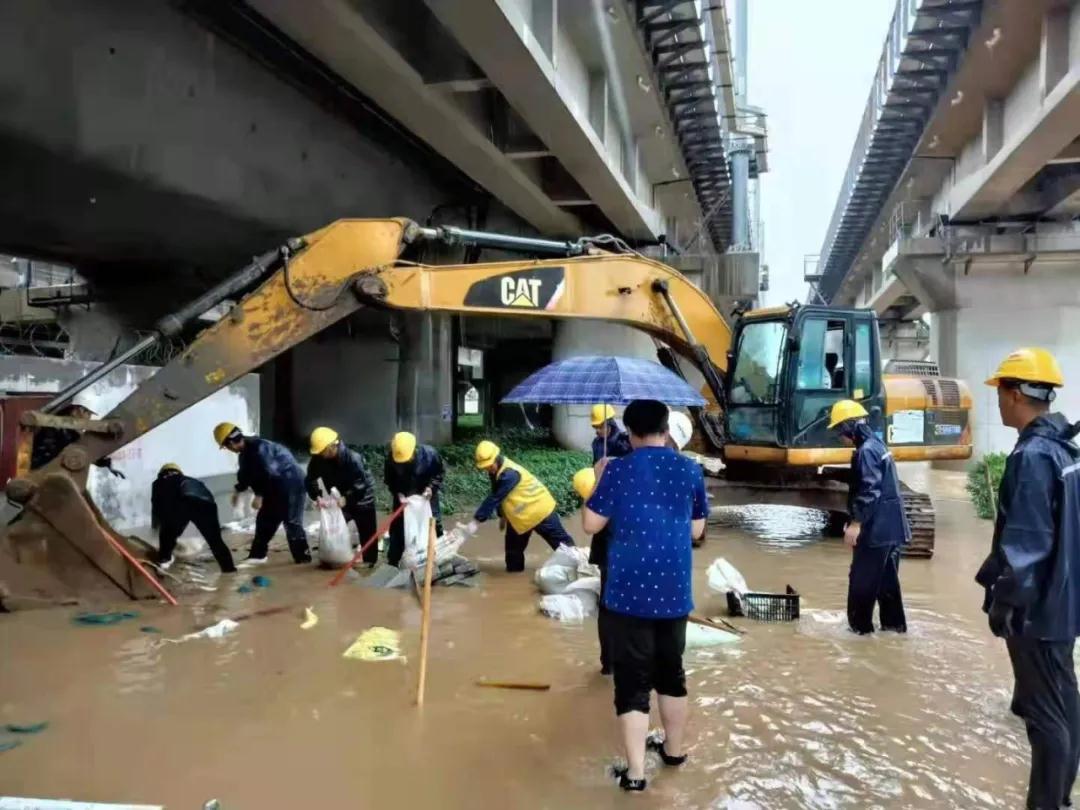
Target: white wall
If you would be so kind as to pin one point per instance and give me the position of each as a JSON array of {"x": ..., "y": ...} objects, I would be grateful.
[{"x": 185, "y": 439}]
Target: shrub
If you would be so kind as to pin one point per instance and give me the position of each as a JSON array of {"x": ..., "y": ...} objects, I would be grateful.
[
  {"x": 980, "y": 489},
  {"x": 464, "y": 486}
]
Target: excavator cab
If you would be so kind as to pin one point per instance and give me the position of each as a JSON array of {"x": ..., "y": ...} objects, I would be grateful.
[{"x": 788, "y": 366}]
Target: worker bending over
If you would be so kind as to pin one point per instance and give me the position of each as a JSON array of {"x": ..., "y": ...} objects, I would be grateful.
[
  {"x": 49, "y": 442},
  {"x": 611, "y": 441},
  {"x": 338, "y": 466},
  {"x": 271, "y": 472},
  {"x": 877, "y": 527},
  {"x": 411, "y": 469},
  {"x": 1032, "y": 576},
  {"x": 523, "y": 503},
  {"x": 177, "y": 500}
]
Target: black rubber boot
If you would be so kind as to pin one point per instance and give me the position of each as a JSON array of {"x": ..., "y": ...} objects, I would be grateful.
[{"x": 628, "y": 784}]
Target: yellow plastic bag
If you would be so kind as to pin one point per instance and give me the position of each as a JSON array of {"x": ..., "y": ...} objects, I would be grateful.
[{"x": 375, "y": 644}]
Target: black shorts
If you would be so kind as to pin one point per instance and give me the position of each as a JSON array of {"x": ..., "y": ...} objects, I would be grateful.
[{"x": 646, "y": 654}]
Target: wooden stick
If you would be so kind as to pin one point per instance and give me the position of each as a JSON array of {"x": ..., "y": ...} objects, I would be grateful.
[
  {"x": 537, "y": 687},
  {"x": 340, "y": 575},
  {"x": 725, "y": 626},
  {"x": 425, "y": 621}
]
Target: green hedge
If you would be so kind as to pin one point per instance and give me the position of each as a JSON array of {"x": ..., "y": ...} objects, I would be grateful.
[
  {"x": 465, "y": 486},
  {"x": 979, "y": 488}
]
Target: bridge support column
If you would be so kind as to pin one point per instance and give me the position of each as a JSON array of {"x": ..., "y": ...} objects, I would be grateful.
[
  {"x": 576, "y": 338},
  {"x": 979, "y": 317}
]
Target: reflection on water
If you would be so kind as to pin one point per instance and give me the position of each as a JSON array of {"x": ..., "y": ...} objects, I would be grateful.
[
  {"x": 800, "y": 715},
  {"x": 778, "y": 527}
]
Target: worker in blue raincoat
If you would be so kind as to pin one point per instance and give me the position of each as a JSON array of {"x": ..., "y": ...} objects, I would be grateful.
[
  {"x": 335, "y": 465},
  {"x": 271, "y": 472},
  {"x": 877, "y": 527},
  {"x": 411, "y": 469},
  {"x": 608, "y": 432},
  {"x": 1032, "y": 575}
]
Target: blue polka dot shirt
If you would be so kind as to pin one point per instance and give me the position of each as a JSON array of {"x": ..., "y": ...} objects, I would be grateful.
[{"x": 649, "y": 498}]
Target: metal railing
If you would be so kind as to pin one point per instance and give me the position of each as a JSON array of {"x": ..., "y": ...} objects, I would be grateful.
[{"x": 925, "y": 42}]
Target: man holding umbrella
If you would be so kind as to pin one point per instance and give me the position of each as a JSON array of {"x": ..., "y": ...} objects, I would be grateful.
[{"x": 523, "y": 502}]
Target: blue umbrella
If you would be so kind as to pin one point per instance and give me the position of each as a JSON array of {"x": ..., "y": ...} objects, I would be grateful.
[{"x": 607, "y": 380}]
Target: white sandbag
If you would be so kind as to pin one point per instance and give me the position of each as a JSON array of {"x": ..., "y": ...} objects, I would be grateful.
[
  {"x": 446, "y": 549},
  {"x": 335, "y": 544},
  {"x": 561, "y": 568},
  {"x": 724, "y": 577},
  {"x": 571, "y": 607},
  {"x": 698, "y": 636}
]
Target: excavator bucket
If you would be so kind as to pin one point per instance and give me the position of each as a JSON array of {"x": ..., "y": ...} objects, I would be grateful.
[{"x": 60, "y": 549}]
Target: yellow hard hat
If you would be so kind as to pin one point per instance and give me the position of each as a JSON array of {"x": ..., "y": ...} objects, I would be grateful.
[
  {"x": 321, "y": 438},
  {"x": 170, "y": 467},
  {"x": 846, "y": 409},
  {"x": 403, "y": 447},
  {"x": 1029, "y": 365},
  {"x": 486, "y": 453},
  {"x": 601, "y": 413},
  {"x": 223, "y": 431},
  {"x": 584, "y": 482}
]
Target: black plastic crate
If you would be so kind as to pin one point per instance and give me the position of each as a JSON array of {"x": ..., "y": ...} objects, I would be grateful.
[{"x": 766, "y": 607}]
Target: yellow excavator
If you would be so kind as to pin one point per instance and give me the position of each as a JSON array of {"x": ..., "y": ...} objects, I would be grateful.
[{"x": 770, "y": 381}]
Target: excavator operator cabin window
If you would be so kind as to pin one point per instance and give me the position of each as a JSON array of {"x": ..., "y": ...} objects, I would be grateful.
[
  {"x": 821, "y": 356},
  {"x": 758, "y": 363}
]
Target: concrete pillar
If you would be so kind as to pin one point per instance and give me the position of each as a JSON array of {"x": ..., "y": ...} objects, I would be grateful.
[
  {"x": 1054, "y": 49},
  {"x": 577, "y": 338},
  {"x": 996, "y": 310},
  {"x": 993, "y": 128},
  {"x": 425, "y": 378}
]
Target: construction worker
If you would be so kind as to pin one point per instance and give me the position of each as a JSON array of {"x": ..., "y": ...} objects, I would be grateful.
[
  {"x": 1032, "y": 575},
  {"x": 522, "y": 502},
  {"x": 584, "y": 484},
  {"x": 338, "y": 466},
  {"x": 877, "y": 525},
  {"x": 611, "y": 441},
  {"x": 49, "y": 442},
  {"x": 271, "y": 472},
  {"x": 411, "y": 469},
  {"x": 177, "y": 500}
]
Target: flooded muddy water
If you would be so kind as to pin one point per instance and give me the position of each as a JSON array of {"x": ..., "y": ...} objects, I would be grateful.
[{"x": 799, "y": 715}]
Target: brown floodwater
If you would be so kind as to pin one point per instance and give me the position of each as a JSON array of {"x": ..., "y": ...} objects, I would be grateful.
[{"x": 799, "y": 715}]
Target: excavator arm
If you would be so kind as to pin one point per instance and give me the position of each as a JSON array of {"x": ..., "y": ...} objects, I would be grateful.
[{"x": 315, "y": 281}]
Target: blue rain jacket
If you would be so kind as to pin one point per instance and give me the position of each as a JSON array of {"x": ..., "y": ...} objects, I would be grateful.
[
  {"x": 424, "y": 470},
  {"x": 1034, "y": 562},
  {"x": 874, "y": 498},
  {"x": 618, "y": 443},
  {"x": 268, "y": 468},
  {"x": 347, "y": 473}
]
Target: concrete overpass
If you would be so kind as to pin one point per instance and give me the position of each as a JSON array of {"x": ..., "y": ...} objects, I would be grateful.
[
  {"x": 157, "y": 144},
  {"x": 963, "y": 189}
]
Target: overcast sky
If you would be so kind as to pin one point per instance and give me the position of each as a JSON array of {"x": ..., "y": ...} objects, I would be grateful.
[{"x": 811, "y": 65}]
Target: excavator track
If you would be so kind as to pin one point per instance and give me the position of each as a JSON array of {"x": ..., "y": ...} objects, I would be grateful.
[{"x": 920, "y": 515}]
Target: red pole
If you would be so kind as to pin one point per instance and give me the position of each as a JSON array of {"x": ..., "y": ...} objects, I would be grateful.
[
  {"x": 340, "y": 575},
  {"x": 123, "y": 552}
]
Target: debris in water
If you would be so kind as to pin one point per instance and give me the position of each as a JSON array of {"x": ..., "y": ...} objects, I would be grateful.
[
  {"x": 245, "y": 589},
  {"x": 30, "y": 728},
  {"x": 375, "y": 644},
  {"x": 9, "y": 744},
  {"x": 310, "y": 619},
  {"x": 149, "y": 628},
  {"x": 103, "y": 618},
  {"x": 218, "y": 630},
  {"x": 536, "y": 687},
  {"x": 260, "y": 581}
]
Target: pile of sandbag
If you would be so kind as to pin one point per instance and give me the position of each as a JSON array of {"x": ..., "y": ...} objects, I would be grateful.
[
  {"x": 570, "y": 585},
  {"x": 451, "y": 568}
]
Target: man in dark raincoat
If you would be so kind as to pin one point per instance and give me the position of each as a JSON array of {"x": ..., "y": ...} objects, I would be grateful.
[
  {"x": 1032, "y": 576},
  {"x": 270, "y": 471},
  {"x": 877, "y": 528}
]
